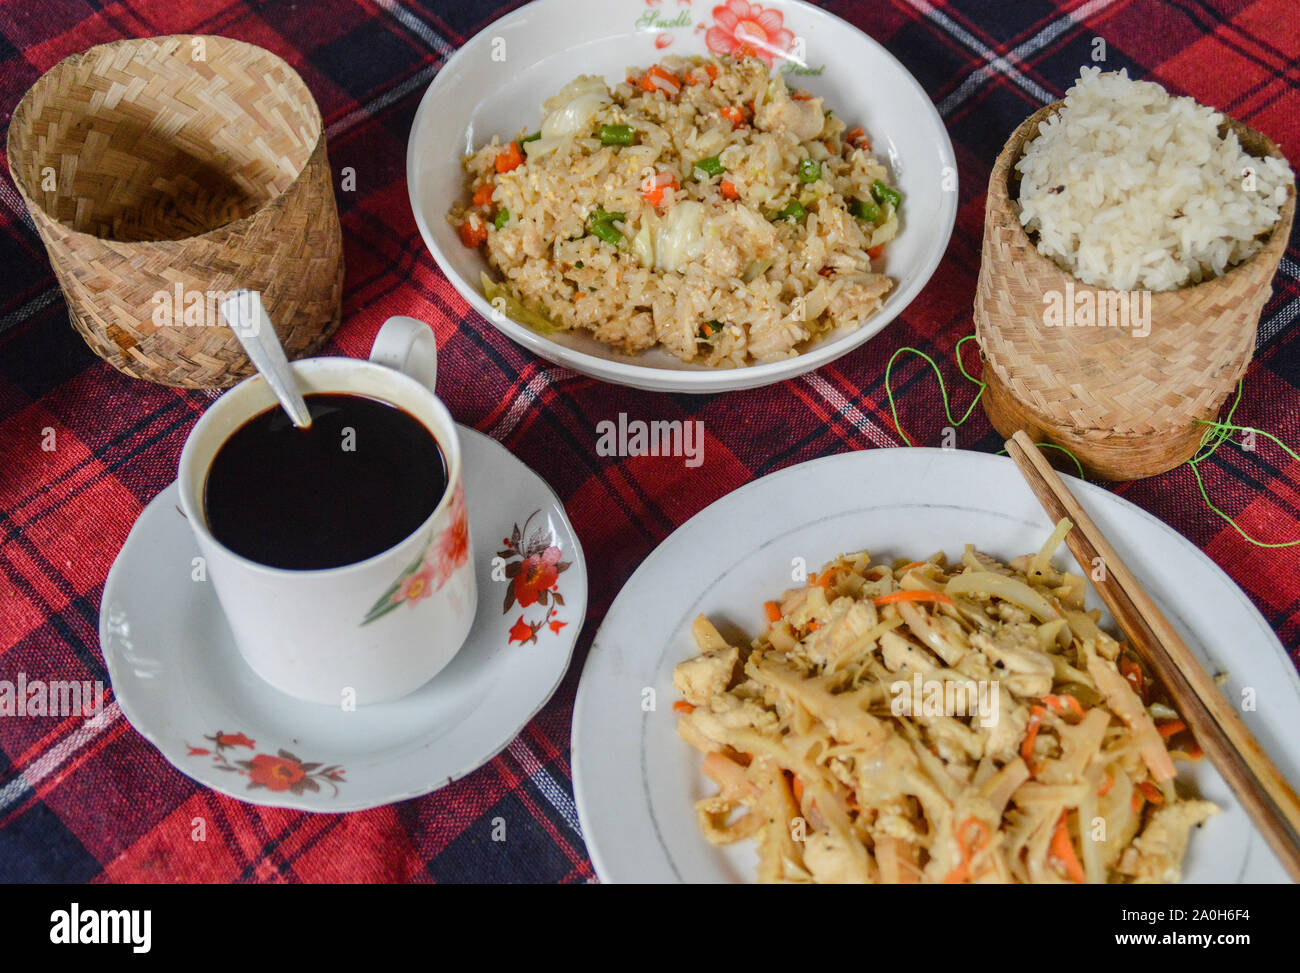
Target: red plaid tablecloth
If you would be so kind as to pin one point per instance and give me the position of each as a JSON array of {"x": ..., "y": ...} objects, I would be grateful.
[{"x": 86, "y": 801}]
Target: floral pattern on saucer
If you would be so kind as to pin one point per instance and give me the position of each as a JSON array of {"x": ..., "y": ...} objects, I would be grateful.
[
  {"x": 277, "y": 772},
  {"x": 438, "y": 561},
  {"x": 532, "y": 572}
]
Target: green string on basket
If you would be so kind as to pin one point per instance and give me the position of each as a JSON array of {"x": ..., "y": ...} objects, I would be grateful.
[
  {"x": 943, "y": 392},
  {"x": 1217, "y": 432}
]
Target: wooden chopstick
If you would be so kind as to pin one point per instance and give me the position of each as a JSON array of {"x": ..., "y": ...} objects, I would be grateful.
[{"x": 1219, "y": 730}]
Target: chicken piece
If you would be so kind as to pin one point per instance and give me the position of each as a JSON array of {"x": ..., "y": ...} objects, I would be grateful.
[
  {"x": 829, "y": 860},
  {"x": 1016, "y": 647},
  {"x": 1156, "y": 854},
  {"x": 707, "y": 675}
]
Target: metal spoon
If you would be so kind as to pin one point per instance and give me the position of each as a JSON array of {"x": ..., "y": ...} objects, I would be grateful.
[{"x": 247, "y": 317}]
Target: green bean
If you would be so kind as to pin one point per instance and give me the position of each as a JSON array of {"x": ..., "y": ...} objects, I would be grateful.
[
  {"x": 864, "y": 210},
  {"x": 617, "y": 134},
  {"x": 601, "y": 225},
  {"x": 712, "y": 166},
  {"x": 502, "y": 218},
  {"x": 810, "y": 171},
  {"x": 794, "y": 210},
  {"x": 884, "y": 194},
  {"x": 531, "y": 138}
]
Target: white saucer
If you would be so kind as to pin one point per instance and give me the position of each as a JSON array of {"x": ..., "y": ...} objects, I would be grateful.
[{"x": 181, "y": 682}]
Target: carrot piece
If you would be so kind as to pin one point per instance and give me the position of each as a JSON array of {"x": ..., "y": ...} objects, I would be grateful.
[
  {"x": 712, "y": 71},
  {"x": 1135, "y": 802},
  {"x": 800, "y": 95},
  {"x": 1036, "y": 714},
  {"x": 1151, "y": 792},
  {"x": 659, "y": 78},
  {"x": 1170, "y": 728},
  {"x": 796, "y": 786},
  {"x": 962, "y": 872},
  {"x": 1106, "y": 785},
  {"x": 814, "y": 625},
  {"x": 1063, "y": 852},
  {"x": 1063, "y": 703},
  {"x": 681, "y": 706},
  {"x": 825, "y": 579},
  {"x": 729, "y": 190},
  {"x": 509, "y": 158},
  {"x": 857, "y": 138},
  {"x": 923, "y": 594},
  {"x": 734, "y": 114},
  {"x": 483, "y": 194},
  {"x": 653, "y": 192},
  {"x": 773, "y": 611},
  {"x": 1131, "y": 671},
  {"x": 876, "y": 252},
  {"x": 473, "y": 233}
]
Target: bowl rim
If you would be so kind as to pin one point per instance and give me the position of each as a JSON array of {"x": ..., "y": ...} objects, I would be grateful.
[{"x": 697, "y": 379}]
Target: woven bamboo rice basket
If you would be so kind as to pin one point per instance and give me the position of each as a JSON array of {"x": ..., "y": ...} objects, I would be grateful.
[
  {"x": 1126, "y": 406},
  {"x": 163, "y": 173}
]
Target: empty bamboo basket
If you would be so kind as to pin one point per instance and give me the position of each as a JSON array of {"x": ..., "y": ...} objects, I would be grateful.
[
  {"x": 1128, "y": 407},
  {"x": 165, "y": 172}
]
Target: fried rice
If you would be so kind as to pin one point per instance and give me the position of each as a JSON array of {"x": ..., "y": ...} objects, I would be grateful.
[{"x": 700, "y": 206}]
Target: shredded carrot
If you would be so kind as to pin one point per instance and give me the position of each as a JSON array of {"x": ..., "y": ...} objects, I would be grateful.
[
  {"x": 734, "y": 114},
  {"x": 1063, "y": 852},
  {"x": 824, "y": 581},
  {"x": 962, "y": 872},
  {"x": 1135, "y": 802},
  {"x": 915, "y": 564},
  {"x": 659, "y": 78},
  {"x": 728, "y": 189},
  {"x": 923, "y": 594},
  {"x": 796, "y": 786},
  {"x": 876, "y": 252},
  {"x": 653, "y": 192},
  {"x": 1106, "y": 785},
  {"x": 1036, "y": 714},
  {"x": 712, "y": 71},
  {"x": 681, "y": 706},
  {"x": 1151, "y": 792},
  {"x": 1170, "y": 728},
  {"x": 857, "y": 137},
  {"x": 1131, "y": 671},
  {"x": 473, "y": 233},
  {"x": 483, "y": 195},
  {"x": 509, "y": 158},
  {"x": 773, "y": 611},
  {"x": 1064, "y": 703},
  {"x": 814, "y": 625}
]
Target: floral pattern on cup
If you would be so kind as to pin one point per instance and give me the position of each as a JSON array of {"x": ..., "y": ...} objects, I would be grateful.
[
  {"x": 278, "y": 772},
  {"x": 532, "y": 571},
  {"x": 744, "y": 29},
  {"x": 445, "y": 552}
]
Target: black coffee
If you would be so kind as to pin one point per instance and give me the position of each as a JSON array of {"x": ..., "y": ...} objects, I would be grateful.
[{"x": 362, "y": 477}]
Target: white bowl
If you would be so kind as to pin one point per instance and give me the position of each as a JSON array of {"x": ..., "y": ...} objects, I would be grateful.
[{"x": 495, "y": 85}]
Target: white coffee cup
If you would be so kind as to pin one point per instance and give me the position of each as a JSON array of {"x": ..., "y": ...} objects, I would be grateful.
[{"x": 365, "y": 632}]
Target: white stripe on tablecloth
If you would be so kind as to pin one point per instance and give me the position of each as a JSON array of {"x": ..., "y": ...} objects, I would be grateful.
[
  {"x": 994, "y": 62},
  {"x": 1018, "y": 54},
  {"x": 18, "y": 789},
  {"x": 847, "y": 409},
  {"x": 557, "y": 796}
]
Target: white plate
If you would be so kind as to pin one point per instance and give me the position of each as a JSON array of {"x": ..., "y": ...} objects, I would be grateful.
[
  {"x": 496, "y": 83},
  {"x": 636, "y": 780},
  {"x": 181, "y": 682}
]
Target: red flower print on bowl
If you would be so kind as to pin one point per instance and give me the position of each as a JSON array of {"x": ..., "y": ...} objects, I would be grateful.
[
  {"x": 745, "y": 29},
  {"x": 278, "y": 772},
  {"x": 536, "y": 574},
  {"x": 532, "y": 574},
  {"x": 275, "y": 773}
]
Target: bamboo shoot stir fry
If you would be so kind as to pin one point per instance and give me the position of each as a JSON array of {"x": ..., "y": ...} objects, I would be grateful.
[{"x": 936, "y": 722}]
